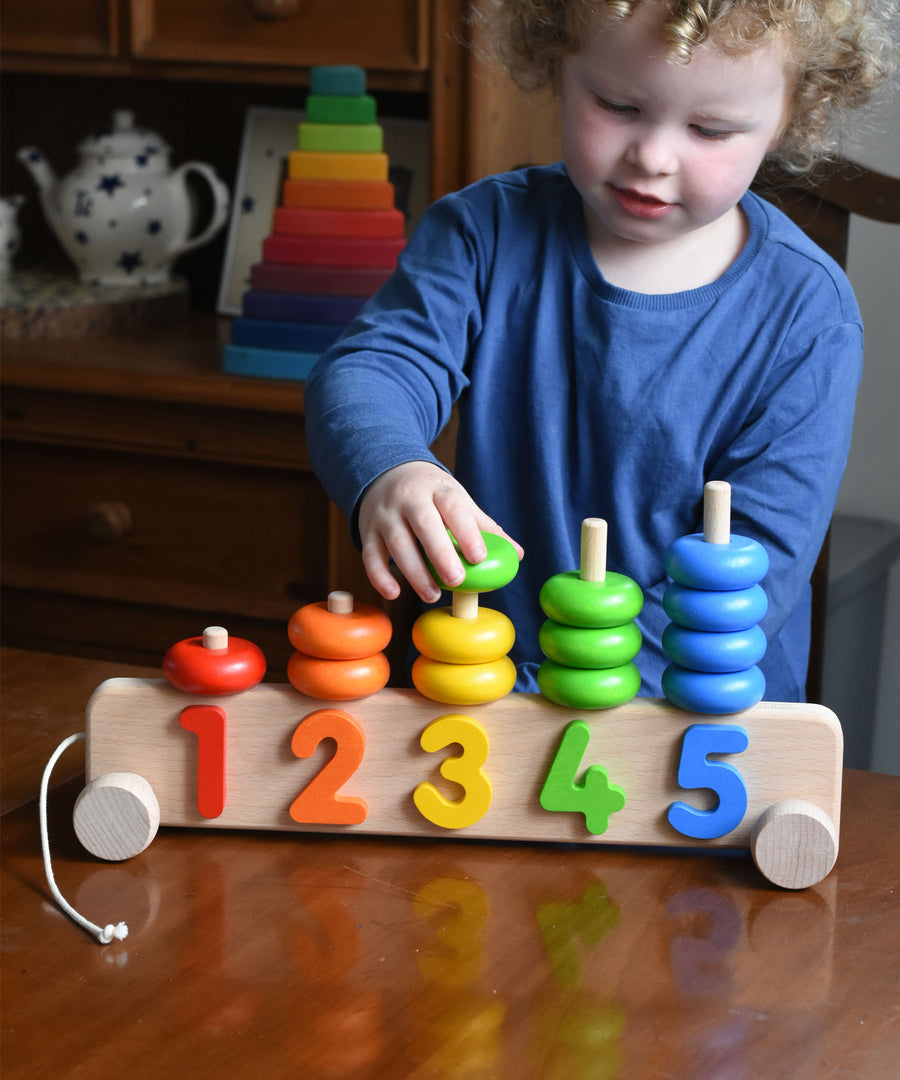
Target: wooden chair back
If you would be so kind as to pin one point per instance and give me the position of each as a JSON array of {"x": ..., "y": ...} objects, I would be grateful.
[{"x": 823, "y": 208}]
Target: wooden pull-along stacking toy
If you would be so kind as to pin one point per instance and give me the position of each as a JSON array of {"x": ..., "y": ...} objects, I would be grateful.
[{"x": 335, "y": 751}]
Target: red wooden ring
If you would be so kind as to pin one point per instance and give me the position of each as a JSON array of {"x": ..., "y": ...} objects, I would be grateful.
[
  {"x": 329, "y": 635},
  {"x": 197, "y": 670}
]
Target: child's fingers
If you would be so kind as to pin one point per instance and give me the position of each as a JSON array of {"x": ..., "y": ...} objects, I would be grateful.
[
  {"x": 377, "y": 566},
  {"x": 439, "y": 550},
  {"x": 466, "y": 520},
  {"x": 459, "y": 517},
  {"x": 403, "y": 546},
  {"x": 488, "y": 524},
  {"x": 404, "y": 517}
]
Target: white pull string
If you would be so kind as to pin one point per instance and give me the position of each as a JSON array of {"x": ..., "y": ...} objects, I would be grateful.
[{"x": 104, "y": 934}]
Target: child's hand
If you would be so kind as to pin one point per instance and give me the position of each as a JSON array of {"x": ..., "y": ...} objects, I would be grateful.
[{"x": 416, "y": 503}]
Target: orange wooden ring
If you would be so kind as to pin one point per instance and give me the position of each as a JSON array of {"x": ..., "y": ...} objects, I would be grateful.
[
  {"x": 330, "y": 635},
  {"x": 338, "y": 680}
]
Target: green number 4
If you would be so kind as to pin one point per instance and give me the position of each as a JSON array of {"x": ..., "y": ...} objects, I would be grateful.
[{"x": 593, "y": 795}]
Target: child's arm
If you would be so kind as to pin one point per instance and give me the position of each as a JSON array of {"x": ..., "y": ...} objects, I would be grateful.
[
  {"x": 408, "y": 510},
  {"x": 376, "y": 401}
]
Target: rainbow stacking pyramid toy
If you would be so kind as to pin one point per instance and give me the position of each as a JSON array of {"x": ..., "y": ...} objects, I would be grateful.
[{"x": 335, "y": 239}]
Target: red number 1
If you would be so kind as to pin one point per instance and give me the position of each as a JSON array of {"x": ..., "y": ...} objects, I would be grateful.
[{"x": 208, "y": 723}]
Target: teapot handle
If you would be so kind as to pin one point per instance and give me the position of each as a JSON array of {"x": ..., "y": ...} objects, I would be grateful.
[{"x": 221, "y": 198}]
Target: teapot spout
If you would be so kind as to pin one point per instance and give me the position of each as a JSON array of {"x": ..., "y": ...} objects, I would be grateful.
[{"x": 39, "y": 167}]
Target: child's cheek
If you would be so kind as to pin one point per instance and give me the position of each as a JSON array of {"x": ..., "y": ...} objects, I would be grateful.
[{"x": 723, "y": 179}]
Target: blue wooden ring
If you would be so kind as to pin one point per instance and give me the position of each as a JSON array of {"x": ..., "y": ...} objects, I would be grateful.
[
  {"x": 581, "y": 688},
  {"x": 701, "y": 650},
  {"x": 700, "y": 609},
  {"x": 714, "y": 694},
  {"x": 694, "y": 562},
  {"x": 567, "y": 599},
  {"x": 579, "y": 647}
]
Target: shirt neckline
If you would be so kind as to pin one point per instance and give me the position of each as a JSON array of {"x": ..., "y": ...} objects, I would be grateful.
[{"x": 704, "y": 294}]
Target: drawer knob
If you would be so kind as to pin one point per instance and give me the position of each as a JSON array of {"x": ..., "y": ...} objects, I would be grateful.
[
  {"x": 106, "y": 523},
  {"x": 273, "y": 9}
]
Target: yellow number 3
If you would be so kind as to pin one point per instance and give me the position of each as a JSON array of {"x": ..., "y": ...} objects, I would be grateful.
[{"x": 464, "y": 769}]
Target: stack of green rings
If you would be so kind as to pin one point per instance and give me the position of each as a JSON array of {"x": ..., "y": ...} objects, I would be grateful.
[{"x": 590, "y": 640}]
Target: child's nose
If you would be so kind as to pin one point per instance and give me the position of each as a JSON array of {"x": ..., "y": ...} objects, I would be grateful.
[{"x": 653, "y": 152}]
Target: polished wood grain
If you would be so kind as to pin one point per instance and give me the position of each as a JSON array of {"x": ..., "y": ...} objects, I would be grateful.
[
  {"x": 43, "y": 701},
  {"x": 359, "y": 957}
]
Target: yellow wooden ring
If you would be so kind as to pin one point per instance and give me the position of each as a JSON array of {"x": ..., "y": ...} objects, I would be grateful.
[
  {"x": 464, "y": 684},
  {"x": 338, "y": 680},
  {"x": 440, "y": 636}
]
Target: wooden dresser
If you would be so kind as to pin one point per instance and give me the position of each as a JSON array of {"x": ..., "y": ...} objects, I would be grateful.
[{"x": 145, "y": 493}]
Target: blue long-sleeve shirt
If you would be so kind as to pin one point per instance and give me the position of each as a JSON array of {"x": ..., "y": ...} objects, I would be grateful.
[{"x": 580, "y": 399}]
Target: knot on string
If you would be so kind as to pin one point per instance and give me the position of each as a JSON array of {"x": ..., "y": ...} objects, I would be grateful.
[{"x": 119, "y": 932}]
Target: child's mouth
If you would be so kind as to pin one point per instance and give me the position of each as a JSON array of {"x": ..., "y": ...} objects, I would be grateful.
[{"x": 642, "y": 206}]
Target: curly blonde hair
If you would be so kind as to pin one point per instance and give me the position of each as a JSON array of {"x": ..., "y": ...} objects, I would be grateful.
[{"x": 840, "y": 51}]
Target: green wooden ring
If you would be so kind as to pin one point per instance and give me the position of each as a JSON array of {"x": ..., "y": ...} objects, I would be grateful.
[
  {"x": 496, "y": 569},
  {"x": 578, "y": 688},
  {"x": 567, "y": 599},
  {"x": 578, "y": 647}
]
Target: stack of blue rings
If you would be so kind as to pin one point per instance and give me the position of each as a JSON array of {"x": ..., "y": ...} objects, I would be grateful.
[{"x": 714, "y": 644}]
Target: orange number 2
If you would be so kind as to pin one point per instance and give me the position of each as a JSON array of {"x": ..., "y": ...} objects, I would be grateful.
[{"x": 319, "y": 802}]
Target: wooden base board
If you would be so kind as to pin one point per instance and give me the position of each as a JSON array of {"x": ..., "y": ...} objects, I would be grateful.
[{"x": 793, "y": 753}]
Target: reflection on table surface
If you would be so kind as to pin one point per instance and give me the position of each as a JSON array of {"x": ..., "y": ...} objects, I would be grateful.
[
  {"x": 281, "y": 954},
  {"x": 363, "y": 957}
]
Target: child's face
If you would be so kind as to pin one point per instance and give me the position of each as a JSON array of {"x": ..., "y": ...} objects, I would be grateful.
[{"x": 657, "y": 149}]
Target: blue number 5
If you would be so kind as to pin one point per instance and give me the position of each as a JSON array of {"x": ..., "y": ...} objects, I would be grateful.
[{"x": 696, "y": 771}]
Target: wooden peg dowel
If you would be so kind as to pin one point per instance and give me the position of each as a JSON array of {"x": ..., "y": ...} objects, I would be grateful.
[
  {"x": 717, "y": 512},
  {"x": 215, "y": 637},
  {"x": 340, "y": 602},
  {"x": 593, "y": 550},
  {"x": 464, "y": 605}
]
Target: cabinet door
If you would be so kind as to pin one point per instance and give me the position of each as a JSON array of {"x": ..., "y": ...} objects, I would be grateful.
[
  {"x": 375, "y": 34},
  {"x": 86, "y": 28}
]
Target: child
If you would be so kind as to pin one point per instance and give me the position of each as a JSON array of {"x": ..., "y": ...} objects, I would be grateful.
[{"x": 621, "y": 327}]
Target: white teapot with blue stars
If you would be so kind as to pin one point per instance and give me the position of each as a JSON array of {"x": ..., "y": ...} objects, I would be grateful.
[{"x": 121, "y": 215}]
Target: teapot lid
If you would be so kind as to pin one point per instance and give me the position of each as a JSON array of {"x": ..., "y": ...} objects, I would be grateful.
[{"x": 123, "y": 139}]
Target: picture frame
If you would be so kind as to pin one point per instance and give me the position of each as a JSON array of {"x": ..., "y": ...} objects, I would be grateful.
[{"x": 269, "y": 135}]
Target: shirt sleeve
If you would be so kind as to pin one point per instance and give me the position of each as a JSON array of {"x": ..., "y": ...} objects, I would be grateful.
[
  {"x": 381, "y": 395},
  {"x": 785, "y": 468}
]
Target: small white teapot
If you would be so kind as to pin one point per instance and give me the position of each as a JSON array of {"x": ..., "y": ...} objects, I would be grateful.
[
  {"x": 10, "y": 233},
  {"x": 121, "y": 216}
]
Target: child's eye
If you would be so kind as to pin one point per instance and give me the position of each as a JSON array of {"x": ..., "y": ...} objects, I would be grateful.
[
  {"x": 711, "y": 133},
  {"x": 613, "y": 107}
]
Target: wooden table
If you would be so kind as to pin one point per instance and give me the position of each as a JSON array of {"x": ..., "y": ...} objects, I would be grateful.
[{"x": 279, "y": 955}]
